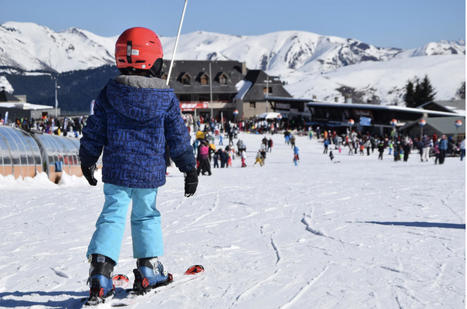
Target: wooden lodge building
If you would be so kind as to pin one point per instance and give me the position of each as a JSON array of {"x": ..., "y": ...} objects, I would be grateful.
[{"x": 204, "y": 87}]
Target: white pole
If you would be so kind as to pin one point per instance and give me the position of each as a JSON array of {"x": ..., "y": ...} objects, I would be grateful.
[
  {"x": 210, "y": 89},
  {"x": 56, "y": 99},
  {"x": 222, "y": 121},
  {"x": 267, "y": 93},
  {"x": 176, "y": 42}
]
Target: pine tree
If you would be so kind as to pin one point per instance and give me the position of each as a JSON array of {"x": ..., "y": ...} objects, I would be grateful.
[
  {"x": 461, "y": 91},
  {"x": 426, "y": 92},
  {"x": 422, "y": 93},
  {"x": 409, "y": 94}
]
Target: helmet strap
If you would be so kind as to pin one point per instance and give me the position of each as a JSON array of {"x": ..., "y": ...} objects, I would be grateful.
[{"x": 129, "y": 47}]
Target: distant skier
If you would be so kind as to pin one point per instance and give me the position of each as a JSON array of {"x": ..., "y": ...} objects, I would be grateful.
[
  {"x": 203, "y": 158},
  {"x": 296, "y": 157},
  {"x": 443, "y": 148},
  {"x": 287, "y": 137},
  {"x": 397, "y": 149},
  {"x": 134, "y": 116},
  {"x": 264, "y": 141},
  {"x": 224, "y": 156},
  {"x": 240, "y": 146},
  {"x": 263, "y": 149},
  {"x": 426, "y": 148},
  {"x": 243, "y": 157},
  {"x": 259, "y": 158},
  {"x": 406, "y": 146},
  {"x": 216, "y": 158},
  {"x": 390, "y": 147},
  {"x": 462, "y": 149},
  {"x": 292, "y": 141},
  {"x": 326, "y": 145},
  {"x": 381, "y": 149},
  {"x": 270, "y": 144}
]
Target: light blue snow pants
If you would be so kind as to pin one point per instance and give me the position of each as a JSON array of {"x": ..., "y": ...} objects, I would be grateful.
[{"x": 146, "y": 231}]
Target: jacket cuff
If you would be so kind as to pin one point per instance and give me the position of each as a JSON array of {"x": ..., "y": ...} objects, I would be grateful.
[{"x": 85, "y": 158}]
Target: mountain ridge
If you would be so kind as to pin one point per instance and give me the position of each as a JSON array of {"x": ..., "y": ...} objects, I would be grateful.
[{"x": 291, "y": 55}]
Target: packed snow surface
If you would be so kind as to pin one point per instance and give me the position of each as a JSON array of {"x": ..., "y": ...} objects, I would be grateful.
[{"x": 353, "y": 233}]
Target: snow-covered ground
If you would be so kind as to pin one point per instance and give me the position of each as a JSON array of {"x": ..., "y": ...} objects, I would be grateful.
[{"x": 361, "y": 233}]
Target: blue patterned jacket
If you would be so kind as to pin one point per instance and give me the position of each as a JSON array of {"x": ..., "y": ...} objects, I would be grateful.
[{"x": 134, "y": 117}]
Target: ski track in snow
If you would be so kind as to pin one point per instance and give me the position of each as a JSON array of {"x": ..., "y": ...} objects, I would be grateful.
[
  {"x": 359, "y": 234},
  {"x": 303, "y": 289}
]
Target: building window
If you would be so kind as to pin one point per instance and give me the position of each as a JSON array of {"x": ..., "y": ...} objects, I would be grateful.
[
  {"x": 185, "y": 79},
  {"x": 204, "y": 79},
  {"x": 222, "y": 78},
  {"x": 265, "y": 90},
  {"x": 252, "y": 104}
]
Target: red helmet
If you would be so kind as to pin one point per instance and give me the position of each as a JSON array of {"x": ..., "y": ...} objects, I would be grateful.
[{"x": 137, "y": 48}]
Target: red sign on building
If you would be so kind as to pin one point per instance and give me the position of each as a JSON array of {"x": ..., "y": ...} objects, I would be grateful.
[{"x": 191, "y": 106}]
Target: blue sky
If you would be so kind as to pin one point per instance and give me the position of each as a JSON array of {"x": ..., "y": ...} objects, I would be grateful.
[{"x": 385, "y": 23}]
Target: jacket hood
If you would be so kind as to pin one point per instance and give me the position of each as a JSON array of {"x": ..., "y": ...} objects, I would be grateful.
[{"x": 137, "y": 97}]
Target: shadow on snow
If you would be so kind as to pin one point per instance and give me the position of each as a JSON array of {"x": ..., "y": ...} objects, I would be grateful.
[
  {"x": 419, "y": 224},
  {"x": 73, "y": 302}
]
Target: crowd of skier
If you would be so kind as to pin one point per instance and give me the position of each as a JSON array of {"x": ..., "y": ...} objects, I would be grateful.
[
  {"x": 210, "y": 151},
  {"x": 397, "y": 146},
  {"x": 67, "y": 126}
]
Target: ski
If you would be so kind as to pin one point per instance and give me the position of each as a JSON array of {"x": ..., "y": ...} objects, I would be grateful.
[{"x": 130, "y": 296}]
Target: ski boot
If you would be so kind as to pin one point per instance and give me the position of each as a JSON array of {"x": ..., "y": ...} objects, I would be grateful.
[
  {"x": 100, "y": 279},
  {"x": 149, "y": 274}
]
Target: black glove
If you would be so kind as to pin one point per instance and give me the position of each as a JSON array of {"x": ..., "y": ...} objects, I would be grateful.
[
  {"x": 88, "y": 172},
  {"x": 191, "y": 182}
]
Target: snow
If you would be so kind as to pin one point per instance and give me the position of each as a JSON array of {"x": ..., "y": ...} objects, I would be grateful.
[
  {"x": 25, "y": 105},
  {"x": 242, "y": 88},
  {"x": 385, "y": 79},
  {"x": 361, "y": 233},
  {"x": 5, "y": 85}
]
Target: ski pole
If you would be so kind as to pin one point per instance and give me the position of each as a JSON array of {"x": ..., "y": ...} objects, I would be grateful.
[{"x": 176, "y": 42}]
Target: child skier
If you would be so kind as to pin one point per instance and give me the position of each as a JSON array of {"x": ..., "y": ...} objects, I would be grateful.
[
  {"x": 296, "y": 157},
  {"x": 243, "y": 157},
  {"x": 259, "y": 158},
  {"x": 135, "y": 115},
  {"x": 381, "y": 149}
]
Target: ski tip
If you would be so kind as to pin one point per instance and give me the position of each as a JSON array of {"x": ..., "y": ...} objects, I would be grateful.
[{"x": 194, "y": 269}]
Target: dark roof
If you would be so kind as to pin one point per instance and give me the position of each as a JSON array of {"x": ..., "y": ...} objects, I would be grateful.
[
  {"x": 445, "y": 106},
  {"x": 7, "y": 97},
  {"x": 384, "y": 108},
  {"x": 195, "y": 68},
  {"x": 381, "y": 114},
  {"x": 258, "y": 79},
  {"x": 445, "y": 125}
]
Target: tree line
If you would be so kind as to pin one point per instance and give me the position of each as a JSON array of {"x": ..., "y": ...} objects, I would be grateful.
[{"x": 418, "y": 92}]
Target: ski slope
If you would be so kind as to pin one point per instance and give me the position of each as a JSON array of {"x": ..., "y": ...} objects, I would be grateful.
[{"x": 361, "y": 233}]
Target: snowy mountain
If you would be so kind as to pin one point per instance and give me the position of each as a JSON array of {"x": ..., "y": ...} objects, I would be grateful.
[
  {"x": 438, "y": 48},
  {"x": 31, "y": 47},
  {"x": 295, "y": 56},
  {"x": 5, "y": 85}
]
